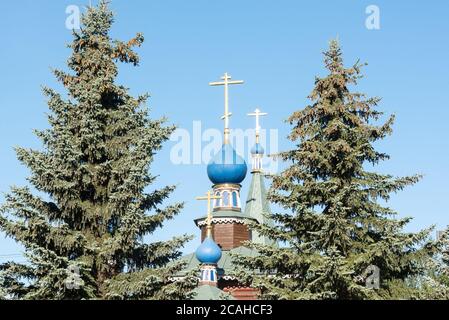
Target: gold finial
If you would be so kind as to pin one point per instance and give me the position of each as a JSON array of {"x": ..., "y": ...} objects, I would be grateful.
[
  {"x": 209, "y": 197},
  {"x": 226, "y": 82},
  {"x": 257, "y": 113}
]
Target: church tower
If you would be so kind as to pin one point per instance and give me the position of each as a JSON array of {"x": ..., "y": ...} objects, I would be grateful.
[
  {"x": 225, "y": 227},
  {"x": 226, "y": 171},
  {"x": 208, "y": 253},
  {"x": 257, "y": 206}
]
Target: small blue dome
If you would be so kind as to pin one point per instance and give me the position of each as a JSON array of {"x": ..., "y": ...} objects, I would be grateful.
[
  {"x": 227, "y": 166},
  {"x": 257, "y": 149},
  {"x": 208, "y": 252}
]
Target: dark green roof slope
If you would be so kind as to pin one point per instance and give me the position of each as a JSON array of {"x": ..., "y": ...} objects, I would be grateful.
[
  {"x": 208, "y": 292},
  {"x": 257, "y": 207}
]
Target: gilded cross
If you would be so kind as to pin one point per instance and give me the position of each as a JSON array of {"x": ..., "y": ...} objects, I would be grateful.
[
  {"x": 209, "y": 197},
  {"x": 257, "y": 113},
  {"x": 226, "y": 82}
]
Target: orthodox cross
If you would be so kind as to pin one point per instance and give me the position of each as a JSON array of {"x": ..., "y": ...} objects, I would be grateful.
[
  {"x": 257, "y": 113},
  {"x": 209, "y": 197},
  {"x": 226, "y": 82}
]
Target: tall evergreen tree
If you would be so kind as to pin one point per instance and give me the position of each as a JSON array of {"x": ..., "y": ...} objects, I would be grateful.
[
  {"x": 334, "y": 225},
  {"x": 83, "y": 226},
  {"x": 434, "y": 284}
]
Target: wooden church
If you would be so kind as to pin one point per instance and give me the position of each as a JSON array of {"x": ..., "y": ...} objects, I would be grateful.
[{"x": 224, "y": 229}]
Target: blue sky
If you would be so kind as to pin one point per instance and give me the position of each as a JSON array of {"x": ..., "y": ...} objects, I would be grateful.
[{"x": 275, "y": 46}]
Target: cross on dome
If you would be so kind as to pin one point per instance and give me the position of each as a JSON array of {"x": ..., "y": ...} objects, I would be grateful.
[
  {"x": 209, "y": 197},
  {"x": 257, "y": 114},
  {"x": 226, "y": 82}
]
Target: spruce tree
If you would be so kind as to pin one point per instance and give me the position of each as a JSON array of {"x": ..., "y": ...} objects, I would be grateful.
[
  {"x": 93, "y": 200},
  {"x": 335, "y": 223},
  {"x": 434, "y": 284}
]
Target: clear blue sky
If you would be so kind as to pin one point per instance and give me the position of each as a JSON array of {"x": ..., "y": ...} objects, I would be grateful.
[{"x": 275, "y": 46}]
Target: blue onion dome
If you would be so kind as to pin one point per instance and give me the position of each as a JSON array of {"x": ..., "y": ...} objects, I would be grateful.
[
  {"x": 227, "y": 166},
  {"x": 208, "y": 252},
  {"x": 257, "y": 149}
]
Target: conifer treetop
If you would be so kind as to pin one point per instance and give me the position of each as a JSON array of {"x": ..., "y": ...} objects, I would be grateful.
[
  {"x": 334, "y": 224},
  {"x": 97, "y": 200}
]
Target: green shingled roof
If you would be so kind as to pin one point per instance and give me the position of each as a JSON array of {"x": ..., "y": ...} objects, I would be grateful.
[
  {"x": 257, "y": 207},
  {"x": 208, "y": 292}
]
